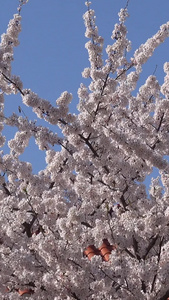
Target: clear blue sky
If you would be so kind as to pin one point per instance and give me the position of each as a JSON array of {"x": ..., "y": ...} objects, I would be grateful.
[{"x": 51, "y": 55}]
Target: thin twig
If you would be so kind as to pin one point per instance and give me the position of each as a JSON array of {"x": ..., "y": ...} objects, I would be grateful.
[
  {"x": 10, "y": 80},
  {"x": 125, "y": 70},
  {"x": 155, "y": 69},
  {"x": 127, "y": 4}
]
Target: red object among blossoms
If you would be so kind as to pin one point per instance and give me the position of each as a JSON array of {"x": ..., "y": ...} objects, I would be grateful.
[
  {"x": 25, "y": 291},
  {"x": 91, "y": 251},
  {"x": 104, "y": 250}
]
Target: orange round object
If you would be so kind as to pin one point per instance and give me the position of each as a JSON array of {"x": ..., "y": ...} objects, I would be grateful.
[
  {"x": 105, "y": 249},
  {"x": 25, "y": 291},
  {"x": 91, "y": 251},
  {"x": 105, "y": 252}
]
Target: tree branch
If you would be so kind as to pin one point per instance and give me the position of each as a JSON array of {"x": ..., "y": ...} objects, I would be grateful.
[
  {"x": 150, "y": 246},
  {"x": 10, "y": 80},
  {"x": 89, "y": 145}
]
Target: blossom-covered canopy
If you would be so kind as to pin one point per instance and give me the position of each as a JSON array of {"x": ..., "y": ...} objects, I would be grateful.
[{"x": 84, "y": 227}]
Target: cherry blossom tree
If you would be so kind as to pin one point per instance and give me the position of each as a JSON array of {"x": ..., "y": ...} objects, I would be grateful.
[{"x": 84, "y": 227}]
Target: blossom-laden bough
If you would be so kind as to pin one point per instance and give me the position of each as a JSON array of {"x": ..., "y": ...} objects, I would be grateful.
[{"x": 92, "y": 189}]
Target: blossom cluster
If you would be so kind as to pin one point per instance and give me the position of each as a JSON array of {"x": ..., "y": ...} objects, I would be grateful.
[{"x": 85, "y": 227}]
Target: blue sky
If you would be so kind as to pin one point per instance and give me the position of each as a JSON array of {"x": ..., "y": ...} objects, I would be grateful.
[{"x": 51, "y": 55}]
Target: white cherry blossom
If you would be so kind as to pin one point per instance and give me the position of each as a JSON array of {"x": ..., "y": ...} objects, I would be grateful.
[{"x": 85, "y": 226}]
